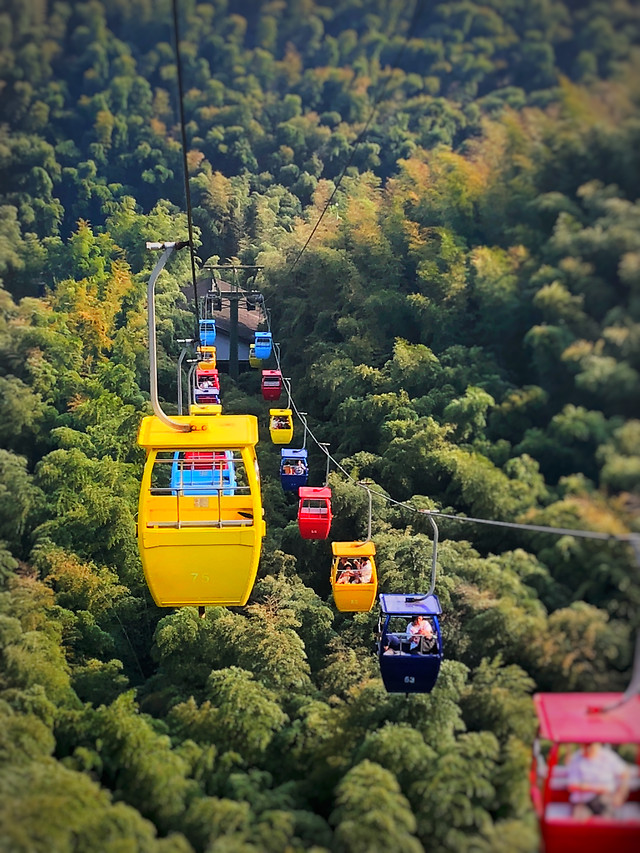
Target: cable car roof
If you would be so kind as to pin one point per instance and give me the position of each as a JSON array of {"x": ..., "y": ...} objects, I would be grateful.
[
  {"x": 353, "y": 549},
  {"x": 294, "y": 454},
  {"x": 314, "y": 492},
  {"x": 207, "y": 431},
  {"x": 571, "y": 718},
  {"x": 399, "y": 605}
]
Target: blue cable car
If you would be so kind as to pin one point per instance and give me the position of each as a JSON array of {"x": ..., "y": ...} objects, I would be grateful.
[
  {"x": 294, "y": 469},
  {"x": 207, "y": 333},
  {"x": 409, "y": 662},
  {"x": 195, "y": 472},
  {"x": 263, "y": 345}
]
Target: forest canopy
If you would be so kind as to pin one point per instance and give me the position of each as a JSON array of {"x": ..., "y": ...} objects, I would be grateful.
[{"x": 463, "y": 327}]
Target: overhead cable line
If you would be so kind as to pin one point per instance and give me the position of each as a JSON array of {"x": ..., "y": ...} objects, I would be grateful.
[
  {"x": 376, "y": 103},
  {"x": 632, "y": 539},
  {"x": 185, "y": 164}
]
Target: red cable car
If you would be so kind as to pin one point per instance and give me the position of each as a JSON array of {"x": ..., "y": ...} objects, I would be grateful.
[
  {"x": 207, "y": 376},
  {"x": 271, "y": 384},
  {"x": 314, "y": 512},
  {"x": 579, "y": 718}
]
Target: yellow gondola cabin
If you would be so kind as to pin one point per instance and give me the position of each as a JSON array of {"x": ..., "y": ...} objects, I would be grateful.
[
  {"x": 200, "y": 524},
  {"x": 354, "y": 579},
  {"x": 254, "y": 361},
  {"x": 281, "y": 426}
]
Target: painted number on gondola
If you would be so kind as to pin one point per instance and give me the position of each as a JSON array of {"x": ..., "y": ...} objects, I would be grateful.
[
  {"x": 409, "y": 679},
  {"x": 197, "y": 575}
]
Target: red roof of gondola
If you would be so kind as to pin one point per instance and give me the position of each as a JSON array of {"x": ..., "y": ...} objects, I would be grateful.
[
  {"x": 314, "y": 492},
  {"x": 578, "y": 718}
]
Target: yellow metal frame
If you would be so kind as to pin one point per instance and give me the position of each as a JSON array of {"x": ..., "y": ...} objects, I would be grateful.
[
  {"x": 200, "y": 549},
  {"x": 281, "y": 436},
  {"x": 354, "y": 597}
]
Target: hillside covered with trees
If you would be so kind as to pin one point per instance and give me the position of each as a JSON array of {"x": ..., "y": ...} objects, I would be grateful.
[{"x": 463, "y": 328}]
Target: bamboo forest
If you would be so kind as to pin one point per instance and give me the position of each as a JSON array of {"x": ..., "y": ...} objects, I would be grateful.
[{"x": 440, "y": 203}]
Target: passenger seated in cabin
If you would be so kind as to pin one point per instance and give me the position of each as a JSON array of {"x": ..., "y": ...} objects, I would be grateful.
[
  {"x": 279, "y": 422},
  {"x": 392, "y": 645},
  {"x": 299, "y": 469},
  {"x": 598, "y": 781},
  {"x": 365, "y": 571},
  {"x": 345, "y": 571},
  {"x": 420, "y": 633}
]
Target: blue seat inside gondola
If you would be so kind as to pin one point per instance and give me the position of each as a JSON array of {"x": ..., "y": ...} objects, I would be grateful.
[
  {"x": 197, "y": 473},
  {"x": 263, "y": 344},
  {"x": 409, "y": 664},
  {"x": 294, "y": 469},
  {"x": 207, "y": 333}
]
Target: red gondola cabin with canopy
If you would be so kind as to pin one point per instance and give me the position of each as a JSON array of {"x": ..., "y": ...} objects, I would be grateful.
[
  {"x": 314, "y": 512},
  {"x": 578, "y": 718},
  {"x": 271, "y": 384}
]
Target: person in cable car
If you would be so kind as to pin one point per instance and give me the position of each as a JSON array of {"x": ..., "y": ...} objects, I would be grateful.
[
  {"x": 365, "y": 571},
  {"x": 299, "y": 468},
  {"x": 345, "y": 571},
  {"x": 598, "y": 781},
  {"x": 418, "y": 628}
]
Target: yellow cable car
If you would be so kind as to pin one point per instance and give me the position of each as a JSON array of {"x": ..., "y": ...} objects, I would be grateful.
[
  {"x": 253, "y": 361},
  {"x": 200, "y": 524},
  {"x": 354, "y": 579},
  {"x": 281, "y": 425},
  {"x": 208, "y": 355}
]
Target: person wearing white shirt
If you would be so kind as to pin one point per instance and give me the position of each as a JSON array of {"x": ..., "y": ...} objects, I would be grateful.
[
  {"x": 417, "y": 628},
  {"x": 366, "y": 570},
  {"x": 598, "y": 781}
]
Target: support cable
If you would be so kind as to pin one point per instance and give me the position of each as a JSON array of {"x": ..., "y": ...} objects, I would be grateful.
[
  {"x": 185, "y": 165},
  {"x": 360, "y": 137},
  {"x": 632, "y": 538}
]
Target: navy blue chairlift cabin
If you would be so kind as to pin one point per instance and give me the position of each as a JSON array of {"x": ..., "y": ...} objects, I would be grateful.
[
  {"x": 294, "y": 469},
  {"x": 402, "y": 670}
]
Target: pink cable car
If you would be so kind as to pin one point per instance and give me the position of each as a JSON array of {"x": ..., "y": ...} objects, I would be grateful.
[{"x": 579, "y": 718}]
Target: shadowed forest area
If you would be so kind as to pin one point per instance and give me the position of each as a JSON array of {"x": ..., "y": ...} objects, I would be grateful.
[{"x": 463, "y": 328}]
